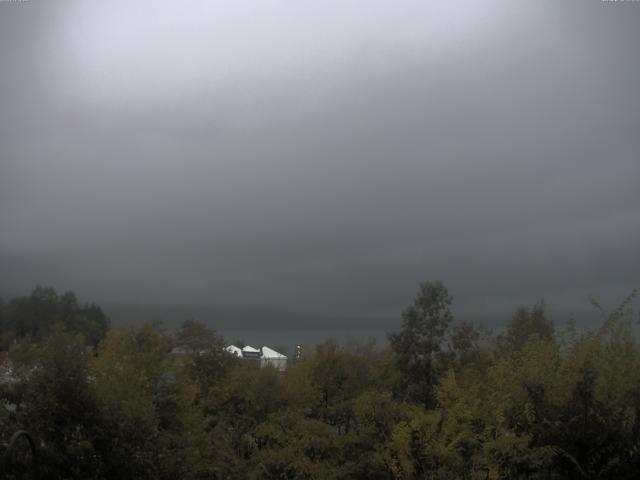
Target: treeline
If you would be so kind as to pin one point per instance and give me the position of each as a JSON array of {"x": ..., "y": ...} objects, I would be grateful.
[
  {"x": 34, "y": 316},
  {"x": 445, "y": 400}
]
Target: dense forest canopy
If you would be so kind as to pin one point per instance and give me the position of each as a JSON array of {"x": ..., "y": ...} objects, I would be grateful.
[
  {"x": 35, "y": 315},
  {"x": 446, "y": 399}
]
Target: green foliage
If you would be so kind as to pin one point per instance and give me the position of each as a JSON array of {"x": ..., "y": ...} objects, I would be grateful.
[
  {"x": 57, "y": 404},
  {"x": 529, "y": 404},
  {"x": 209, "y": 362},
  {"x": 527, "y": 322},
  {"x": 424, "y": 326},
  {"x": 35, "y": 316},
  {"x": 196, "y": 336}
]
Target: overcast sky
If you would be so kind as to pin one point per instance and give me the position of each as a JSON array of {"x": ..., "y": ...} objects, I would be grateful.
[{"x": 321, "y": 156}]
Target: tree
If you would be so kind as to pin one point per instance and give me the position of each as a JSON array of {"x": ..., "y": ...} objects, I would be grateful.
[
  {"x": 424, "y": 325},
  {"x": 60, "y": 409},
  {"x": 526, "y": 322},
  {"x": 35, "y": 315},
  {"x": 129, "y": 373},
  {"x": 209, "y": 362},
  {"x": 196, "y": 336},
  {"x": 210, "y": 367}
]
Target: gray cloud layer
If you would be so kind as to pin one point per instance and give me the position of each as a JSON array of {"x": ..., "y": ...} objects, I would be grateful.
[{"x": 321, "y": 158}]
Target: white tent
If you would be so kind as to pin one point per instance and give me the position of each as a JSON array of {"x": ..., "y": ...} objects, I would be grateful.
[
  {"x": 267, "y": 356},
  {"x": 250, "y": 352},
  {"x": 233, "y": 350},
  {"x": 271, "y": 358}
]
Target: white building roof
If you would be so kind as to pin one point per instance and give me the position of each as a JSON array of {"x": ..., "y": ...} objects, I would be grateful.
[
  {"x": 249, "y": 348},
  {"x": 269, "y": 353},
  {"x": 233, "y": 350}
]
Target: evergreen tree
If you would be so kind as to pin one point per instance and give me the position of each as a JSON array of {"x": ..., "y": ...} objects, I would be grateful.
[{"x": 424, "y": 325}]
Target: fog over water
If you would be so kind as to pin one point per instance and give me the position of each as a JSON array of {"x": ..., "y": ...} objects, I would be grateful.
[{"x": 320, "y": 158}]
